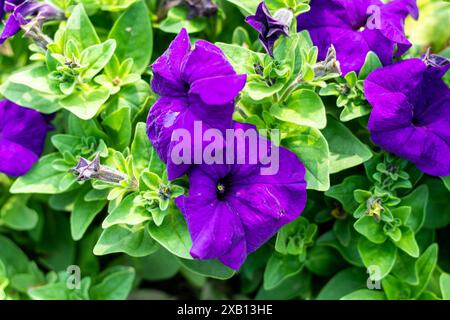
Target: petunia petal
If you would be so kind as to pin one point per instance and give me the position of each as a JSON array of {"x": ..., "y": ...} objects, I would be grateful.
[
  {"x": 344, "y": 23},
  {"x": 167, "y": 68},
  {"x": 12, "y": 26},
  {"x": 219, "y": 90},
  {"x": 16, "y": 159},
  {"x": 410, "y": 115},
  {"x": 206, "y": 61},
  {"x": 213, "y": 234},
  {"x": 162, "y": 120},
  {"x": 23, "y": 126},
  {"x": 254, "y": 205}
]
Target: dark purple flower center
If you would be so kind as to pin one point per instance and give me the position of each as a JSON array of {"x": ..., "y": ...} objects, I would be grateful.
[
  {"x": 418, "y": 116},
  {"x": 360, "y": 25},
  {"x": 186, "y": 86}
]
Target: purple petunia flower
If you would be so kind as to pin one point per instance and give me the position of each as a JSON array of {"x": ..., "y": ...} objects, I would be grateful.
[
  {"x": 268, "y": 27},
  {"x": 232, "y": 210},
  {"x": 2, "y": 9},
  {"x": 356, "y": 27},
  {"x": 411, "y": 112},
  {"x": 22, "y": 138},
  {"x": 23, "y": 12},
  {"x": 194, "y": 85}
]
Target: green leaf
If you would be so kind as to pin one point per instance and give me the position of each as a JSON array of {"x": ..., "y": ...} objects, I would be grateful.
[
  {"x": 297, "y": 286},
  {"x": 446, "y": 182},
  {"x": 428, "y": 295},
  {"x": 135, "y": 242},
  {"x": 343, "y": 283},
  {"x": 444, "y": 282},
  {"x": 279, "y": 268},
  {"x": 365, "y": 294},
  {"x": 395, "y": 289},
  {"x": 160, "y": 265},
  {"x": 115, "y": 284},
  {"x": 14, "y": 259},
  {"x": 258, "y": 90},
  {"x": 16, "y": 215},
  {"x": 82, "y": 128},
  {"x": 287, "y": 50},
  {"x": 344, "y": 192},
  {"x": 31, "y": 88},
  {"x": 405, "y": 269},
  {"x": 177, "y": 19},
  {"x": 208, "y": 268},
  {"x": 115, "y": 5},
  {"x": 133, "y": 96},
  {"x": 130, "y": 211},
  {"x": 43, "y": 178},
  {"x": 241, "y": 58},
  {"x": 372, "y": 63},
  {"x": 312, "y": 148},
  {"x": 144, "y": 155},
  {"x": 173, "y": 234},
  {"x": 36, "y": 78},
  {"x": 295, "y": 237},
  {"x": 324, "y": 261},
  {"x": 247, "y": 7},
  {"x": 66, "y": 142},
  {"x": 134, "y": 35},
  {"x": 56, "y": 242},
  {"x": 425, "y": 266},
  {"x": 408, "y": 242},
  {"x": 95, "y": 58},
  {"x": 438, "y": 207},
  {"x": 59, "y": 291},
  {"x": 379, "y": 257},
  {"x": 402, "y": 213},
  {"x": 80, "y": 29},
  {"x": 346, "y": 151},
  {"x": 86, "y": 104},
  {"x": 352, "y": 111},
  {"x": 350, "y": 252},
  {"x": 371, "y": 229},
  {"x": 118, "y": 126},
  {"x": 4, "y": 281},
  {"x": 343, "y": 229},
  {"x": 304, "y": 107},
  {"x": 83, "y": 214},
  {"x": 240, "y": 37},
  {"x": 149, "y": 181}
]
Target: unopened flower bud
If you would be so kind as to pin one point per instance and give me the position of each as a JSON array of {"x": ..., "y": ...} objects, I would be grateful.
[
  {"x": 87, "y": 170},
  {"x": 434, "y": 60},
  {"x": 284, "y": 16},
  {"x": 329, "y": 66}
]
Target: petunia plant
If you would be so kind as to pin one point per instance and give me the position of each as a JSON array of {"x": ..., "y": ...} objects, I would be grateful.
[{"x": 203, "y": 149}]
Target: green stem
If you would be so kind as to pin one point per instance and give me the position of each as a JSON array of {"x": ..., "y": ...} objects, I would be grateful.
[{"x": 298, "y": 81}]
